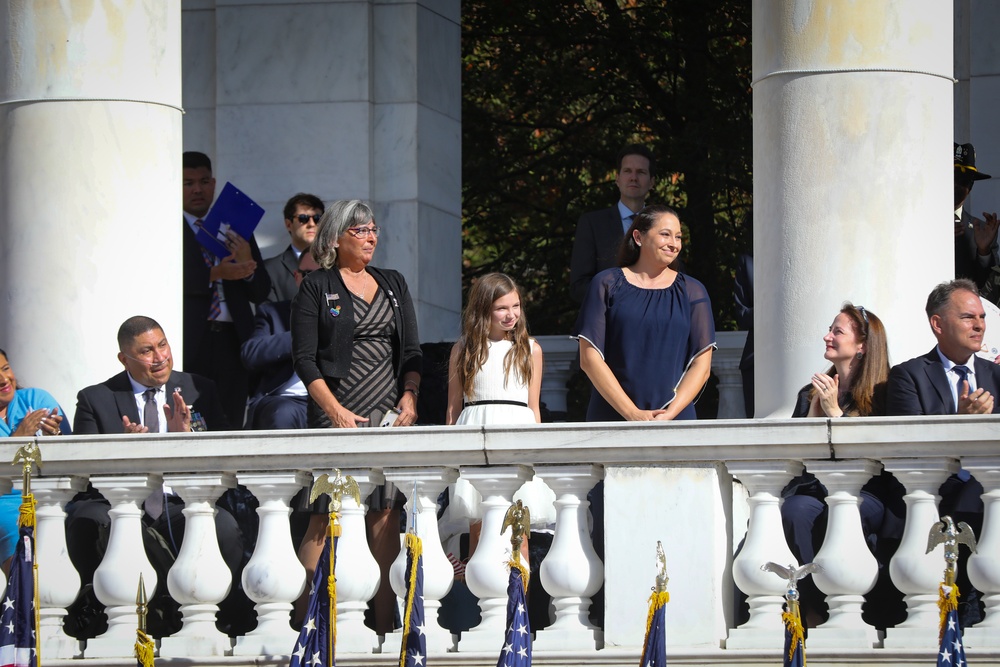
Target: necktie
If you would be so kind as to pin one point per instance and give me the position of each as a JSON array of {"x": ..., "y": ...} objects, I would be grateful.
[
  {"x": 215, "y": 303},
  {"x": 963, "y": 374},
  {"x": 150, "y": 415}
]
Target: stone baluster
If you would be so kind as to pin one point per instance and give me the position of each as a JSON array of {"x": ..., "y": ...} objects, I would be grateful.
[
  {"x": 116, "y": 579},
  {"x": 199, "y": 579},
  {"x": 914, "y": 572},
  {"x": 58, "y": 580},
  {"x": 984, "y": 565},
  {"x": 849, "y": 568},
  {"x": 486, "y": 573},
  {"x": 273, "y": 578},
  {"x": 726, "y": 366},
  {"x": 357, "y": 572},
  {"x": 571, "y": 572},
  {"x": 438, "y": 571},
  {"x": 764, "y": 542},
  {"x": 560, "y": 358}
]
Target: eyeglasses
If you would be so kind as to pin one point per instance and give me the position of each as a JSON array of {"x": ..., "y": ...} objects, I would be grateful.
[
  {"x": 363, "y": 232},
  {"x": 864, "y": 315},
  {"x": 304, "y": 219}
]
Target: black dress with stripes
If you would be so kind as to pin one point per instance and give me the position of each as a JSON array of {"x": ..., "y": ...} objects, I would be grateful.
[{"x": 370, "y": 388}]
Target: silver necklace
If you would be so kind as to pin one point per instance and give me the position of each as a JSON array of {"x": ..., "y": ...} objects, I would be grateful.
[{"x": 364, "y": 289}]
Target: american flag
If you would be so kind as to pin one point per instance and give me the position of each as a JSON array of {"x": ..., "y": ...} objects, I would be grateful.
[
  {"x": 654, "y": 649},
  {"x": 17, "y": 636},
  {"x": 413, "y": 652},
  {"x": 952, "y": 652},
  {"x": 516, "y": 651},
  {"x": 795, "y": 648},
  {"x": 314, "y": 647}
]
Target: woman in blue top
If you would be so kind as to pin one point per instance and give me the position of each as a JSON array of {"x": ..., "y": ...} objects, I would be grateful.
[
  {"x": 646, "y": 331},
  {"x": 23, "y": 412}
]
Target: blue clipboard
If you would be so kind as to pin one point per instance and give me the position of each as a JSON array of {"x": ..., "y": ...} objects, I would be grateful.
[{"x": 233, "y": 210}]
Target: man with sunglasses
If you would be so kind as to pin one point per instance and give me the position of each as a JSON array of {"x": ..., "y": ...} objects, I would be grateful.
[{"x": 302, "y": 213}]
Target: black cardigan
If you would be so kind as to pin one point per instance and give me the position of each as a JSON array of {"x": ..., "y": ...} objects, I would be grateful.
[{"x": 323, "y": 342}]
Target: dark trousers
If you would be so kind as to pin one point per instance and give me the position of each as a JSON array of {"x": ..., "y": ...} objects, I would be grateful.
[
  {"x": 279, "y": 412},
  {"x": 218, "y": 359}
]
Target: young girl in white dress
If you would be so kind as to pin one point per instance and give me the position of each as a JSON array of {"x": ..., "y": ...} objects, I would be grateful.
[{"x": 495, "y": 370}]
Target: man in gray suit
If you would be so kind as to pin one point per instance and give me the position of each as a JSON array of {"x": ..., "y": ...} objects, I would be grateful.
[
  {"x": 302, "y": 213},
  {"x": 599, "y": 233}
]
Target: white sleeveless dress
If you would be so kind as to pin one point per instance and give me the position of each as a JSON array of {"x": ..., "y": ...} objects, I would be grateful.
[{"x": 488, "y": 385}]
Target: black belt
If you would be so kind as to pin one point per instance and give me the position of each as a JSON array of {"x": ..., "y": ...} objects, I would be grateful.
[
  {"x": 497, "y": 402},
  {"x": 217, "y": 326}
]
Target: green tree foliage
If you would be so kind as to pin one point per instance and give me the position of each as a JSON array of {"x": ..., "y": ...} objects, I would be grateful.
[{"x": 553, "y": 89}]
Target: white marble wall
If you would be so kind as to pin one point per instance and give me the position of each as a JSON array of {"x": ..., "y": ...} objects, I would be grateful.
[{"x": 344, "y": 100}]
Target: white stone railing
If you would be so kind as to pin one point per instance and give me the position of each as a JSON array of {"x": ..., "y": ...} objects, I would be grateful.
[{"x": 697, "y": 487}]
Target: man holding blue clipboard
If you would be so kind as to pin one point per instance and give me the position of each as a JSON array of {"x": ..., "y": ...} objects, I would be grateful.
[{"x": 223, "y": 274}]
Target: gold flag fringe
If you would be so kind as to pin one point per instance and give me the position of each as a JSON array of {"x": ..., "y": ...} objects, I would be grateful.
[
  {"x": 331, "y": 587},
  {"x": 26, "y": 516},
  {"x": 525, "y": 576},
  {"x": 947, "y": 602},
  {"x": 415, "y": 548},
  {"x": 144, "y": 648},
  {"x": 794, "y": 626},
  {"x": 656, "y": 602}
]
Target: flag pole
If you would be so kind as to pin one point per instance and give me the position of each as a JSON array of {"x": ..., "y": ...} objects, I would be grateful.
[
  {"x": 145, "y": 647},
  {"x": 654, "y": 650},
  {"x": 950, "y": 534},
  {"x": 27, "y": 456}
]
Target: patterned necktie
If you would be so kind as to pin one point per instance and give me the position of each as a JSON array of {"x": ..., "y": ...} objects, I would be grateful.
[
  {"x": 215, "y": 303},
  {"x": 963, "y": 375},
  {"x": 150, "y": 415}
]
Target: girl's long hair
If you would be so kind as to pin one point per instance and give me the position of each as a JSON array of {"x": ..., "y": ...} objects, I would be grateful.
[
  {"x": 870, "y": 373},
  {"x": 476, "y": 323}
]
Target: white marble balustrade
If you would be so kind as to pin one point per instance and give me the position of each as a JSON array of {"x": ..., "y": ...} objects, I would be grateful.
[{"x": 681, "y": 483}]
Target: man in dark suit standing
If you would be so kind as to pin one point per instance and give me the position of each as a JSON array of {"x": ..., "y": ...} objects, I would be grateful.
[
  {"x": 599, "y": 233},
  {"x": 217, "y": 294},
  {"x": 952, "y": 379},
  {"x": 279, "y": 399},
  {"x": 149, "y": 396},
  {"x": 302, "y": 213}
]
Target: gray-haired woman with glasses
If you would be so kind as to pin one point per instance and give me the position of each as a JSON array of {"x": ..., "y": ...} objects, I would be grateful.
[{"x": 355, "y": 347}]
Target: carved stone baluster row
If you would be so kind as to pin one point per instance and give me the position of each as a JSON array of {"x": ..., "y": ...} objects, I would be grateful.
[{"x": 984, "y": 565}]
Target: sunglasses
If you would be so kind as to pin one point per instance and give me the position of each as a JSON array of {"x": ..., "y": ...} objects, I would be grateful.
[{"x": 304, "y": 219}]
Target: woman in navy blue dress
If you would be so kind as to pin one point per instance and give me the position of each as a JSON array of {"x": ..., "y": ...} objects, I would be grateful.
[{"x": 646, "y": 331}]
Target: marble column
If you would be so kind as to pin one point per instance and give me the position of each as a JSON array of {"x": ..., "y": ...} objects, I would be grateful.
[
  {"x": 427, "y": 484},
  {"x": 984, "y": 565},
  {"x": 116, "y": 579},
  {"x": 90, "y": 108},
  {"x": 6, "y": 484},
  {"x": 487, "y": 573},
  {"x": 916, "y": 573},
  {"x": 58, "y": 580},
  {"x": 274, "y": 578},
  {"x": 840, "y": 90},
  {"x": 849, "y": 568},
  {"x": 765, "y": 542},
  {"x": 199, "y": 579},
  {"x": 571, "y": 572}
]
